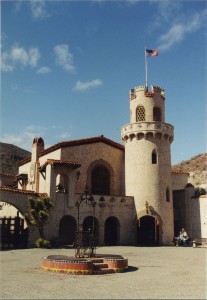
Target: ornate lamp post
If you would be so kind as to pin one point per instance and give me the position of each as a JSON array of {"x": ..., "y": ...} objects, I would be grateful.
[{"x": 85, "y": 240}]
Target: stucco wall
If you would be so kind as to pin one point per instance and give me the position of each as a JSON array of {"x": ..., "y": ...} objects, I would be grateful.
[
  {"x": 98, "y": 153},
  {"x": 199, "y": 217},
  {"x": 179, "y": 181}
]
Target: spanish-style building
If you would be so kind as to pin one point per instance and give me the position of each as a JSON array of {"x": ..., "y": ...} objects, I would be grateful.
[{"x": 139, "y": 200}]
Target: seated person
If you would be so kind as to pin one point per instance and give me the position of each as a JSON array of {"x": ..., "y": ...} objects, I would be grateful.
[{"x": 184, "y": 237}]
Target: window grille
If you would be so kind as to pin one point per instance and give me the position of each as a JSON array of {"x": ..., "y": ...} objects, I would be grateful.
[{"x": 140, "y": 114}]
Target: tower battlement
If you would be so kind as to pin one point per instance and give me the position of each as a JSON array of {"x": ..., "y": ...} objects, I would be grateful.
[
  {"x": 158, "y": 90},
  {"x": 141, "y": 90}
]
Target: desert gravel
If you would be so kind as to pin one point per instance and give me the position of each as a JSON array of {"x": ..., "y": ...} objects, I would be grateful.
[{"x": 153, "y": 273}]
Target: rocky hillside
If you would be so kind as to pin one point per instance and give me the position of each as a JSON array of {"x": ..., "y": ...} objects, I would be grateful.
[
  {"x": 197, "y": 169},
  {"x": 9, "y": 156}
]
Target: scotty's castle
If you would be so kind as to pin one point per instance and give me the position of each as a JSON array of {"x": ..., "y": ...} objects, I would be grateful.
[{"x": 140, "y": 201}]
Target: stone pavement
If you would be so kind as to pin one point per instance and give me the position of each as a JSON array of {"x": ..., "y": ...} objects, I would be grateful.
[{"x": 154, "y": 273}]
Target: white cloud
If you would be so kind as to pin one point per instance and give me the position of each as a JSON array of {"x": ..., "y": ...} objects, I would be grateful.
[
  {"x": 43, "y": 70},
  {"x": 11, "y": 139},
  {"x": 38, "y": 9},
  {"x": 19, "y": 56},
  {"x": 133, "y": 1},
  {"x": 6, "y": 66},
  {"x": 179, "y": 30},
  {"x": 18, "y": 5},
  {"x": 82, "y": 86},
  {"x": 64, "y": 135},
  {"x": 22, "y": 88},
  {"x": 34, "y": 56},
  {"x": 63, "y": 57},
  {"x": 166, "y": 9},
  {"x": 25, "y": 137}
]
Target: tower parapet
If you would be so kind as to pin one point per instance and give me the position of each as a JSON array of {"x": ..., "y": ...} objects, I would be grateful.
[
  {"x": 155, "y": 90},
  {"x": 148, "y": 130}
]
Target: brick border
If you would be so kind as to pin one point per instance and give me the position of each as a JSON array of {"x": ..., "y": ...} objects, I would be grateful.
[{"x": 77, "y": 266}]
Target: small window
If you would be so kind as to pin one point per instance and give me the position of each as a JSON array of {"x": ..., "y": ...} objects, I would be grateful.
[
  {"x": 156, "y": 114},
  {"x": 167, "y": 195},
  {"x": 140, "y": 114},
  {"x": 154, "y": 157},
  {"x": 61, "y": 184}
]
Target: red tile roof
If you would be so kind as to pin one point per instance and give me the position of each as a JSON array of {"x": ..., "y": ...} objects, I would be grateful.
[
  {"x": 98, "y": 139},
  {"x": 10, "y": 189},
  {"x": 54, "y": 162}
]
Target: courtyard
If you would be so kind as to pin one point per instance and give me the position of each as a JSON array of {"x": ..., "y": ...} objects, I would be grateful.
[{"x": 153, "y": 273}]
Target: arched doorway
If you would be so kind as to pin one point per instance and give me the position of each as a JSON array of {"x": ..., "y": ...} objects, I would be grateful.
[
  {"x": 111, "y": 231},
  {"x": 100, "y": 181},
  {"x": 88, "y": 224},
  {"x": 13, "y": 228},
  {"x": 148, "y": 231},
  {"x": 67, "y": 229}
]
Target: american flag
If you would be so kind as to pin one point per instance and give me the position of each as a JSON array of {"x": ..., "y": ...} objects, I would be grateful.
[{"x": 151, "y": 52}]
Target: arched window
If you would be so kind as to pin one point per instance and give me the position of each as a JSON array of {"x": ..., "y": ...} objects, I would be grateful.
[
  {"x": 156, "y": 114},
  {"x": 140, "y": 114},
  {"x": 100, "y": 181},
  {"x": 61, "y": 184},
  {"x": 154, "y": 157},
  {"x": 167, "y": 195}
]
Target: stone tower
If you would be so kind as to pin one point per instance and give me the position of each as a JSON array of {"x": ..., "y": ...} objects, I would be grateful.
[{"x": 147, "y": 141}]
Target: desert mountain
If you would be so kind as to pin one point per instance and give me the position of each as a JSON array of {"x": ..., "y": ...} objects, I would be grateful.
[
  {"x": 197, "y": 169},
  {"x": 10, "y": 155}
]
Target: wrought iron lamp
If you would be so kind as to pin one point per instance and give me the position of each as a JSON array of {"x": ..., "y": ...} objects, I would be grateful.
[{"x": 85, "y": 240}]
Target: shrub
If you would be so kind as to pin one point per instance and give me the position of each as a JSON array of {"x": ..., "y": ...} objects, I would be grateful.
[
  {"x": 200, "y": 191},
  {"x": 42, "y": 243},
  {"x": 38, "y": 213}
]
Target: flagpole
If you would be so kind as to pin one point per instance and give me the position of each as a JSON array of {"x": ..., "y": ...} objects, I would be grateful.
[{"x": 146, "y": 86}]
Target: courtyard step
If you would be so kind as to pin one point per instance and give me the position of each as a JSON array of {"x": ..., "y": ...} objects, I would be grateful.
[
  {"x": 97, "y": 260},
  {"x": 98, "y": 266},
  {"x": 103, "y": 271}
]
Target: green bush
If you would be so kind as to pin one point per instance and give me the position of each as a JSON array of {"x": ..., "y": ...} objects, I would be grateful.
[{"x": 42, "y": 243}]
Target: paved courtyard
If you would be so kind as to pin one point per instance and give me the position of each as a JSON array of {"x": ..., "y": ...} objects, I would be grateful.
[{"x": 154, "y": 273}]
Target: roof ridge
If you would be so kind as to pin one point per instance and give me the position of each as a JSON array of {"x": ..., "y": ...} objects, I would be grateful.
[{"x": 78, "y": 142}]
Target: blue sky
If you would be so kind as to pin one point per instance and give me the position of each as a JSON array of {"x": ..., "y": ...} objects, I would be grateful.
[{"x": 67, "y": 68}]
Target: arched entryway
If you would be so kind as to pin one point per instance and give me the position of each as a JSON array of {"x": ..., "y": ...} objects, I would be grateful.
[
  {"x": 67, "y": 229},
  {"x": 111, "y": 231},
  {"x": 148, "y": 231},
  {"x": 13, "y": 228},
  {"x": 89, "y": 223}
]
